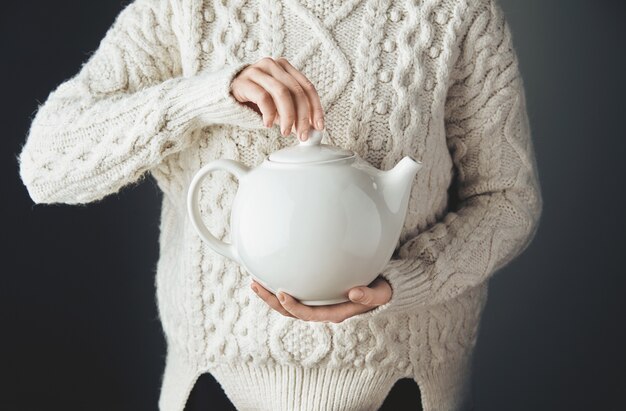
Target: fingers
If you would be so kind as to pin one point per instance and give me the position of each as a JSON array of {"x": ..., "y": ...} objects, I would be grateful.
[
  {"x": 280, "y": 94},
  {"x": 316, "y": 113},
  {"x": 269, "y": 298},
  {"x": 251, "y": 92},
  {"x": 300, "y": 98},
  {"x": 377, "y": 293},
  {"x": 334, "y": 313},
  {"x": 295, "y": 105}
]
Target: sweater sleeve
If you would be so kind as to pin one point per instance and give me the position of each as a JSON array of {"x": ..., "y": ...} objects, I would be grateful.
[
  {"x": 124, "y": 112},
  {"x": 497, "y": 187}
]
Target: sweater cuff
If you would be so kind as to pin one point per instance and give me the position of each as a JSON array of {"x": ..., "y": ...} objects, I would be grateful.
[
  {"x": 205, "y": 99},
  {"x": 409, "y": 283}
]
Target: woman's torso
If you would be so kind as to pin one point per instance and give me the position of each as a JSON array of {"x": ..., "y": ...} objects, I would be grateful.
[{"x": 381, "y": 69}]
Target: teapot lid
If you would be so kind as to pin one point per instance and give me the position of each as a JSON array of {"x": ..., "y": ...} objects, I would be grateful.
[{"x": 310, "y": 151}]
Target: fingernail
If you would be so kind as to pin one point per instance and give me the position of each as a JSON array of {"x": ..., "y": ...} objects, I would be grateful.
[
  {"x": 281, "y": 297},
  {"x": 319, "y": 123},
  {"x": 303, "y": 136},
  {"x": 284, "y": 132},
  {"x": 254, "y": 288},
  {"x": 356, "y": 295}
]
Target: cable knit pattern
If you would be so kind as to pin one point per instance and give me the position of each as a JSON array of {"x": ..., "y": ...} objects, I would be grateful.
[{"x": 434, "y": 79}]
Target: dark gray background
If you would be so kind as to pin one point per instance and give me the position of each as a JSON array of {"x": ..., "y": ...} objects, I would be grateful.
[{"x": 79, "y": 322}]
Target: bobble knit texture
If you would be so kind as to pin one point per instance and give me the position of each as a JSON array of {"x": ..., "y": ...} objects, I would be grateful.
[{"x": 434, "y": 79}]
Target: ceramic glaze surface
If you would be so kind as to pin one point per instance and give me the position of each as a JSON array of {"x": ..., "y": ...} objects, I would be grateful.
[
  {"x": 287, "y": 214},
  {"x": 346, "y": 226}
]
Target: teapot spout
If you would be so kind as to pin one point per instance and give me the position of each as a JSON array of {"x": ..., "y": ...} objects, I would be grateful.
[{"x": 396, "y": 183}]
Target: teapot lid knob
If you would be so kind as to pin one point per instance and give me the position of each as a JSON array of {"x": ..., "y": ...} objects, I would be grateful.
[
  {"x": 314, "y": 138},
  {"x": 310, "y": 151}
]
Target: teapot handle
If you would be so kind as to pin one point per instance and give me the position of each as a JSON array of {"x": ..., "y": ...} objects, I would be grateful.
[{"x": 193, "y": 207}]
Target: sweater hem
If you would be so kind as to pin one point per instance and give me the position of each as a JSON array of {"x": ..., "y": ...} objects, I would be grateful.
[
  {"x": 444, "y": 387},
  {"x": 447, "y": 386},
  {"x": 179, "y": 378},
  {"x": 293, "y": 387}
]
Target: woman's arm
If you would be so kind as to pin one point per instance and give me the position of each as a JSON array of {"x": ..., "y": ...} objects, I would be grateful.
[
  {"x": 498, "y": 189},
  {"x": 124, "y": 112}
]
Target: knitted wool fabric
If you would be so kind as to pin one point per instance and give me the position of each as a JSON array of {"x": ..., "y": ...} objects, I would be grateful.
[{"x": 434, "y": 79}]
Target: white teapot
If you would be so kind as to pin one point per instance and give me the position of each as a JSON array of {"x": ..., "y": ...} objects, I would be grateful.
[{"x": 312, "y": 220}]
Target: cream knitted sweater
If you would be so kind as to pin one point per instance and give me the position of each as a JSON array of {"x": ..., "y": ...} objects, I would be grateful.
[{"x": 434, "y": 79}]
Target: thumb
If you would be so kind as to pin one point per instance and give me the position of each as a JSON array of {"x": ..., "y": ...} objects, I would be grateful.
[{"x": 378, "y": 294}]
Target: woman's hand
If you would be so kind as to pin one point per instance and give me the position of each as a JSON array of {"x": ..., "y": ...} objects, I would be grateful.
[
  {"x": 281, "y": 94},
  {"x": 377, "y": 293}
]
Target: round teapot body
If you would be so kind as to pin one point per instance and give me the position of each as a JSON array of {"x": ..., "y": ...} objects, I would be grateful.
[{"x": 313, "y": 230}]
